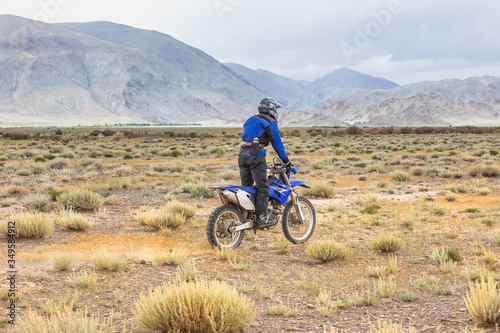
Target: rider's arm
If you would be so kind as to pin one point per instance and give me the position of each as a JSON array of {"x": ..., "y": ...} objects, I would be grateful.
[{"x": 276, "y": 142}]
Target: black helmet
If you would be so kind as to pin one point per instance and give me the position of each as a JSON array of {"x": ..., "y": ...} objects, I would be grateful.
[{"x": 270, "y": 106}]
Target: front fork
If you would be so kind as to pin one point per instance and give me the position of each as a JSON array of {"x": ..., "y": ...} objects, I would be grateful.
[{"x": 295, "y": 198}]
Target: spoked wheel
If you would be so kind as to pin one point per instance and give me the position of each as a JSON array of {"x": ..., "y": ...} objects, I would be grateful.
[
  {"x": 219, "y": 224},
  {"x": 294, "y": 229}
]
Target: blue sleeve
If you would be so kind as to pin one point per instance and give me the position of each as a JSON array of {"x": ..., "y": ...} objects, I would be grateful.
[{"x": 276, "y": 142}]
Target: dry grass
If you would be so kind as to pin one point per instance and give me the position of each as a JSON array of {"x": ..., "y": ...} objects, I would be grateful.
[
  {"x": 483, "y": 301},
  {"x": 199, "y": 307},
  {"x": 326, "y": 250},
  {"x": 83, "y": 279},
  {"x": 388, "y": 327},
  {"x": 106, "y": 260},
  {"x": 63, "y": 262},
  {"x": 386, "y": 242},
  {"x": 35, "y": 201},
  {"x": 64, "y": 321},
  {"x": 323, "y": 190},
  {"x": 70, "y": 219},
  {"x": 80, "y": 199},
  {"x": 28, "y": 225}
]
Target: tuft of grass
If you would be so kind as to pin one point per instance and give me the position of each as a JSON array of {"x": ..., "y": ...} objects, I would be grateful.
[
  {"x": 322, "y": 190},
  {"x": 444, "y": 255},
  {"x": 80, "y": 199},
  {"x": 386, "y": 242},
  {"x": 171, "y": 216},
  {"x": 326, "y": 250},
  {"x": 197, "y": 190},
  {"x": 35, "y": 201},
  {"x": 400, "y": 176},
  {"x": 28, "y": 225},
  {"x": 63, "y": 262},
  {"x": 385, "y": 287},
  {"x": 172, "y": 257},
  {"x": 194, "y": 307},
  {"x": 105, "y": 260},
  {"x": 83, "y": 279},
  {"x": 388, "y": 327},
  {"x": 373, "y": 209},
  {"x": 63, "y": 320},
  {"x": 188, "y": 272},
  {"x": 483, "y": 301},
  {"x": 69, "y": 219},
  {"x": 483, "y": 170},
  {"x": 225, "y": 253}
]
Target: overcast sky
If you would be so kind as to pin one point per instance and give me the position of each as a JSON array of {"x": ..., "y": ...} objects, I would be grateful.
[{"x": 402, "y": 40}]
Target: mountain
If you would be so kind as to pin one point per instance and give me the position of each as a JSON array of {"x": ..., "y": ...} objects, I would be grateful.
[
  {"x": 54, "y": 75},
  {"x": 473, "y": 101},
  {"x": 285, "y": 90},
  {"x": 296, "y": 95}
]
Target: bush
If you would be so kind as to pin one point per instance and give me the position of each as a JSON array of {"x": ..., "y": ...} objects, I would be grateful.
[
  {"x": 69, "y": 219},
  {"x": 319, "y": 190},
  {"x": 171, "y": 216},
  {"x": 36, "y": 201},
  {"x": 28, "y": 225},
  {"x": 326, "y": 250},
  {"x": 386, "y": 242},
  {"x": 80, "y": 199},
  {"x": 63, "y": 321},
  {"x": 483, "y": 170},
  {"x": 197, "y": 190},
  {"x": 198, "y": 307},
  {"x": 59, "y": 165},
  {"x": 105, "y": 260},
  {"x": 483, "y": 301},
  {"x": 63, "y": 262},
  {"x": 400, "y": 176}
]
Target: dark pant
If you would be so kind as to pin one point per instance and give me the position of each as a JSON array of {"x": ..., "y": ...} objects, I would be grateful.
[{"x": 254, "y": 169}]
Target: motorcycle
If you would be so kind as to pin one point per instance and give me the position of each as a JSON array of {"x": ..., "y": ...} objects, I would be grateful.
[{"x": 227, "y": 224}]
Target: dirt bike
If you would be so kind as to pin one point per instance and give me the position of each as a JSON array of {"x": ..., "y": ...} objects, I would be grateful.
[{"x": 227, "y": 224}]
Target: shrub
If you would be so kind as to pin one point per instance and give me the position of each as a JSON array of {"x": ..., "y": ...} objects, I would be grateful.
[
  {"x": 326, "y": 250},
  {"x": 172, "y": 215},
  {"x": 63, "y": 262},
  {"x": 80, "y": 199},
  {"x": 28, "y": 225},
  {"x": 62, "y": 321},
  {"x": 483, "y": 170},
  {"x": 171, "y": 257},
  {"x": 59, "y": 165},
  {"x": 36, "y": 201},
  {"x": 386, "y": 242},
  {"x": 319, "y": 190},
  {"x": 197, "y": 307},
  {"x": 400, "y": 176},
  {"x": 443, "y": 255},
  {"x": 69, "y": 219},
  {"x": 385, "y": 287},
  {"x": 105, "y": 260},
  {"x": 387, "y": 327},
  {"x": 197, "y": 190},
  {"x": 83, "y": 279},
  {"x": 483, "y": 301}
]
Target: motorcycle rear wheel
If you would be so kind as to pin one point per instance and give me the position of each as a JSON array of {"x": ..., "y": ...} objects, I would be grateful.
[
  {"x": 219, "y": 222},
  {"x": 294, "y": 229}
]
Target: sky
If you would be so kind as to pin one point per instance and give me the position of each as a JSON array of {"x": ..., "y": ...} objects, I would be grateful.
[{"x": 404, "y": 41}]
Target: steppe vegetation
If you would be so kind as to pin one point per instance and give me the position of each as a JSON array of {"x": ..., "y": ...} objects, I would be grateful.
[{"x": 111, "y": 229}]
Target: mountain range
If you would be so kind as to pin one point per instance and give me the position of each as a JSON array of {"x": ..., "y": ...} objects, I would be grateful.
[{"x": 102, "y": 72}]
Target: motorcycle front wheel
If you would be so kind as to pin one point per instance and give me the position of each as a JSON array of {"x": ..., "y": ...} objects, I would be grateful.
[
  {"x": 294, "y": 229},
  {"x": 219, "y": 223}
]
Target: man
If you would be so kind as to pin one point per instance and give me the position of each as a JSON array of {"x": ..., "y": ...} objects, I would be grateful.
[{"x": 258, "y": 132}]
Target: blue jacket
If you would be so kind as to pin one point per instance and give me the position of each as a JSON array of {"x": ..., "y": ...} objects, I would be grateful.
[{"x": 266, "y": 129}]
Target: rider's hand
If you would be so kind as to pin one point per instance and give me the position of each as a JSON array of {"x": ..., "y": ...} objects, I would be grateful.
[
  {"x": 293, "y": 170},
  {"x": 289, "y": 165}
]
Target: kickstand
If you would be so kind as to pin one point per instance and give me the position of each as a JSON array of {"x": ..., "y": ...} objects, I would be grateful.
[{"x": 255, "y": 231}]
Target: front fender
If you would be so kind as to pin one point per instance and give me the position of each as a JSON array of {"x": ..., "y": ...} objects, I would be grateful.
[{"x": 295, "y": 183}]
